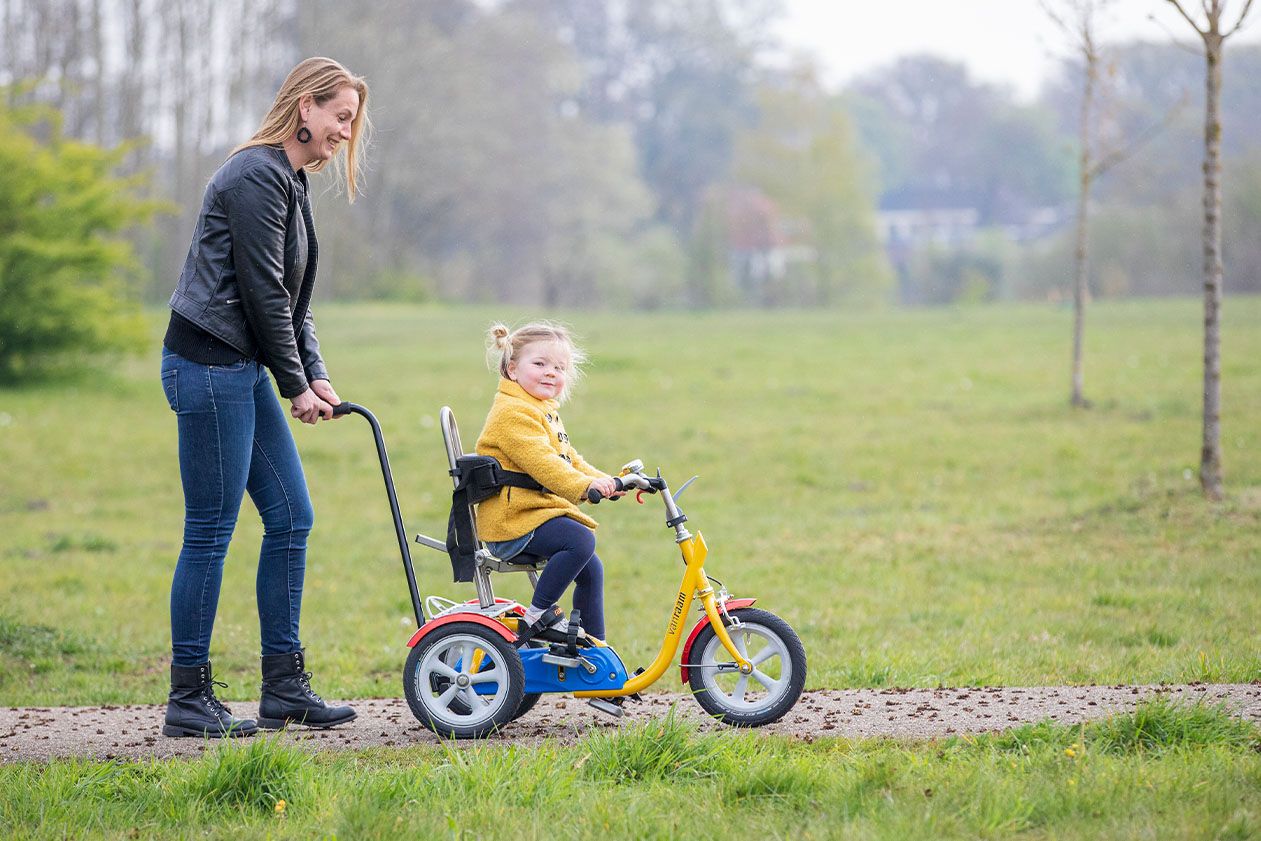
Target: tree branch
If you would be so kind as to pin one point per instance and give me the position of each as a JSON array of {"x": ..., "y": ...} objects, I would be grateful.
[
  {"x": 1116, "y": 156},
  {"x": 1239, "y": 22},
  {"x": 1178, "y": 5},
  {"x": 1046, "y": 7},
  {"x": 1174, "y": 40}
]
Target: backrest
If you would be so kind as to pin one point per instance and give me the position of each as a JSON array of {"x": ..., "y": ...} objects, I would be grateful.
[
  {"x": 462, "y": 542},
  {"x": 473, "y": 477}
]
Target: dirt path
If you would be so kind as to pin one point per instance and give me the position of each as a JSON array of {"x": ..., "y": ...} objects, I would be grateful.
[{"x": 133, "y": 732}]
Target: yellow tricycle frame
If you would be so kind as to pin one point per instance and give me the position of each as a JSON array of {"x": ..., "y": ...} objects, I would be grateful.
[{"x": 695, "y": 585}]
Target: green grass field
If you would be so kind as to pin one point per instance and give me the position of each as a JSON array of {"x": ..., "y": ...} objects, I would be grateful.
[
  {"x": 1161, "y": 772},
  {"x": 909, "y": 489}
]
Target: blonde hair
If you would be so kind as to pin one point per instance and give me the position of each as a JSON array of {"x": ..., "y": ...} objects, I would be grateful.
[
  {"x": 504, "y": 346},
  {"x": 322, "y": 79}
]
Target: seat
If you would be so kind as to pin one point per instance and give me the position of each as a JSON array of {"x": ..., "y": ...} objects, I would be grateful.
[{"x": 465, "y": 522}]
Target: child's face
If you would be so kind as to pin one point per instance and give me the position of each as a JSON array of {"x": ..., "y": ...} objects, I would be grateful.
[{"x": 540, "y": 368}]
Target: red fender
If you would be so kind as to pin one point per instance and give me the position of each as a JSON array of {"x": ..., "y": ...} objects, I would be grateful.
[
  {"x": 732, "y": 604},
  {"x": 475, "y": 618}
]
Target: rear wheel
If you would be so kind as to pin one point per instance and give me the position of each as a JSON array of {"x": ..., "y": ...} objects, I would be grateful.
[
  {"x": 779, "y": 670},
  {"x": 464, "y": 681}
]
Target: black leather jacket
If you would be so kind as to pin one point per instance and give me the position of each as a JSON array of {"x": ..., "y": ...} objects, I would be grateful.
[{"x": 251, "y": 266}]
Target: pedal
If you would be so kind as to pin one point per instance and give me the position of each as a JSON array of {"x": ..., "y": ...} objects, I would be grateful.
[
  {"x": 568, "y": 662},
  {"x": 610, "y": 706}
]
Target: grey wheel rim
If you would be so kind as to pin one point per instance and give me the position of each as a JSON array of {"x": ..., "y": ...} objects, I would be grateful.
[
  {"x": 458, "y": 703},
  {"x": 756, "y": 692}
]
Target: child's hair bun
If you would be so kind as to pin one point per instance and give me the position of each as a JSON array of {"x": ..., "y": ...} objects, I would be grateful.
[{"x": 498, "y": 336}]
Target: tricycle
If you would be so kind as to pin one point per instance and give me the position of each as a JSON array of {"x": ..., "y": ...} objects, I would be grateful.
[{"x": 471, "y": 671}]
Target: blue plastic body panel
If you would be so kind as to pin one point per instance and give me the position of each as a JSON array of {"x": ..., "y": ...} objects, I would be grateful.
[{"x": 546, "y": 677}]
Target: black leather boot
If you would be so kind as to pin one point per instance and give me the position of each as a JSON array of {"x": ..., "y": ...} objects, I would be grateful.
[
  {"x": 288, "y": 697},
  {"x": 193, "y": 710}
]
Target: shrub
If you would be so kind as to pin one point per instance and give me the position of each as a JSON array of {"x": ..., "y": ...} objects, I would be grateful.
[{"x": 66, "y": 272}]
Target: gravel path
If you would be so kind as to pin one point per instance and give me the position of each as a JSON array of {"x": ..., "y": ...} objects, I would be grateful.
[{"x": 134, "y": 731}]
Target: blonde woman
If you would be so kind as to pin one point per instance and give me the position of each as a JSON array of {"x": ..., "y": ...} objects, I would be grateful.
[{"x": 240, "y": 315}]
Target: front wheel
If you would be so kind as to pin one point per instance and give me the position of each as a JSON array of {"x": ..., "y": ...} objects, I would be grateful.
[
  {"x": 779, "y": 670},
  {"x": 463, "y": 681}
]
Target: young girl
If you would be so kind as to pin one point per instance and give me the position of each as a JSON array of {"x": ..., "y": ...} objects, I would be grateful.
[{"x": 537, "y": 364}]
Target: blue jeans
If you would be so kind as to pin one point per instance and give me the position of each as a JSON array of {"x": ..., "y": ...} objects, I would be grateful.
[
  {"x": 234, "y": 437},
  {"x": 569, "y": 547}
]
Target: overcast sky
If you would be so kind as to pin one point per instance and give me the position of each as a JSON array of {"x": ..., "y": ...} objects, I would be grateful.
[{"x": 1009, "y": 41}]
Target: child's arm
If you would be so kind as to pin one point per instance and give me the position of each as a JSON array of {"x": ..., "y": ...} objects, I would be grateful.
[
  {"x": 581, "y": 464},
  {"x": 527, "y": 443}
]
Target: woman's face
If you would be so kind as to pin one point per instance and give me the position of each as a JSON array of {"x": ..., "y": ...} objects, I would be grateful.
[{"x": 330, "y": 123}]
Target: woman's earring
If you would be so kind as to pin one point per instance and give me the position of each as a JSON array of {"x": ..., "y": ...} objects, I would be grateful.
[{"x": 304, "y": 135}]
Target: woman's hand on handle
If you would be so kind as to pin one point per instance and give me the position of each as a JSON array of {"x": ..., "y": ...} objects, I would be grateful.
[
  {"x": 309, "y": 407},
  {"x": 324, "y": 390}
]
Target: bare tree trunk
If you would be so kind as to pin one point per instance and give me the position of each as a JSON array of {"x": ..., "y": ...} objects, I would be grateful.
[
  {"x": 1085, "y": 178},
  {"x": 1211, "y": 448},
  {"x": 1214, "y": 38},
  {"x": 100, "y": 94}
]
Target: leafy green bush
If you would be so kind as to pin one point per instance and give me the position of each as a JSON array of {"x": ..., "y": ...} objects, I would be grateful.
[{"x": 65, "y": 271}]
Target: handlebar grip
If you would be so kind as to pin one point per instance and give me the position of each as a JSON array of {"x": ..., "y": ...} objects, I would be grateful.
[
  {"x": 342, "y": 408},
  {"x": 594, "y": 496}
]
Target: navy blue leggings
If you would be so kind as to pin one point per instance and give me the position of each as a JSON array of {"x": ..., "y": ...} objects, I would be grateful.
[{"x": 569, "y": 547}]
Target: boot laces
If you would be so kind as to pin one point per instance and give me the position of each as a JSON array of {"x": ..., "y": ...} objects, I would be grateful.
[
  {"x": 305, "y": 680},
  {"x": 209, "y": 697}
]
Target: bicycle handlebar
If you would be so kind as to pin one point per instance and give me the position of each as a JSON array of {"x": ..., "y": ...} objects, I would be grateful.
[
  {"x": 631, "y": 481},
  {"x": 594, "y": 496}
]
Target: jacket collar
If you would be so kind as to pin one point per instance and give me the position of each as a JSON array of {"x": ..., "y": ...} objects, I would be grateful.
[
  {"x": 278, "y": 153},
  {"x": 513, "y": 389}
]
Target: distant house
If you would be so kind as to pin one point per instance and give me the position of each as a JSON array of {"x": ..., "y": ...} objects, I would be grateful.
[
  {"x": 947, "y": 226},
  {"x": 762, "y": 242},
  {"x": 950, "y": 233},
  {"x": 957, "y": 226}
]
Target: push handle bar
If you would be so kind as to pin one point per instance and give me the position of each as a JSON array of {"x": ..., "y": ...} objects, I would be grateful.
[{"x": 345, "y": 408}]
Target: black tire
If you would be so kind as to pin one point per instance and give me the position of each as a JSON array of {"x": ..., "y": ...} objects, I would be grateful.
[
  {"x": 724, "y": 694},
  {"x": 463, "y": 714}
]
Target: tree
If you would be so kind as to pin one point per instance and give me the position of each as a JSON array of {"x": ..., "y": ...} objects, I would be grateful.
[
  {"x": 1214, "y": 38},
  {"x": 802, "y": 154},
  {"x": 945, "y": 141},
  {"x": 1095, "y": 156},
  {"x": 1081, "y": 28},
  {"x": 65, "y": 272}
]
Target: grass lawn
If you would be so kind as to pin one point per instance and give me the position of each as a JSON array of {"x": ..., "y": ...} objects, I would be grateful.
[
  {"x": 1161, "y": 772},
  {"x": 909, "y": 489}
]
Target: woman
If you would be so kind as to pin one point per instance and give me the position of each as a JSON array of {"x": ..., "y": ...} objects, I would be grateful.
[{"x": 241, "y": 308}]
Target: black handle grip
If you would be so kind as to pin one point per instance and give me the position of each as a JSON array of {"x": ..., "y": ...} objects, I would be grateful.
[
  {"x": 594, "y": 496},
  {"x": 342, "y": 408}
]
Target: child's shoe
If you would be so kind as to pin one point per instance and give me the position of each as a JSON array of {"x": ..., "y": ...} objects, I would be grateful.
[{"x": 549, "y": 620}]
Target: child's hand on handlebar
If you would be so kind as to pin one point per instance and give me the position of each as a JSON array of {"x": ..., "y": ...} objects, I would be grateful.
[{"x": 607, "y": 486}]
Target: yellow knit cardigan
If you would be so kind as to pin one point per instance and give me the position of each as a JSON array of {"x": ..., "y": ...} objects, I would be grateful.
[{"x": 526, "y": 435}]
